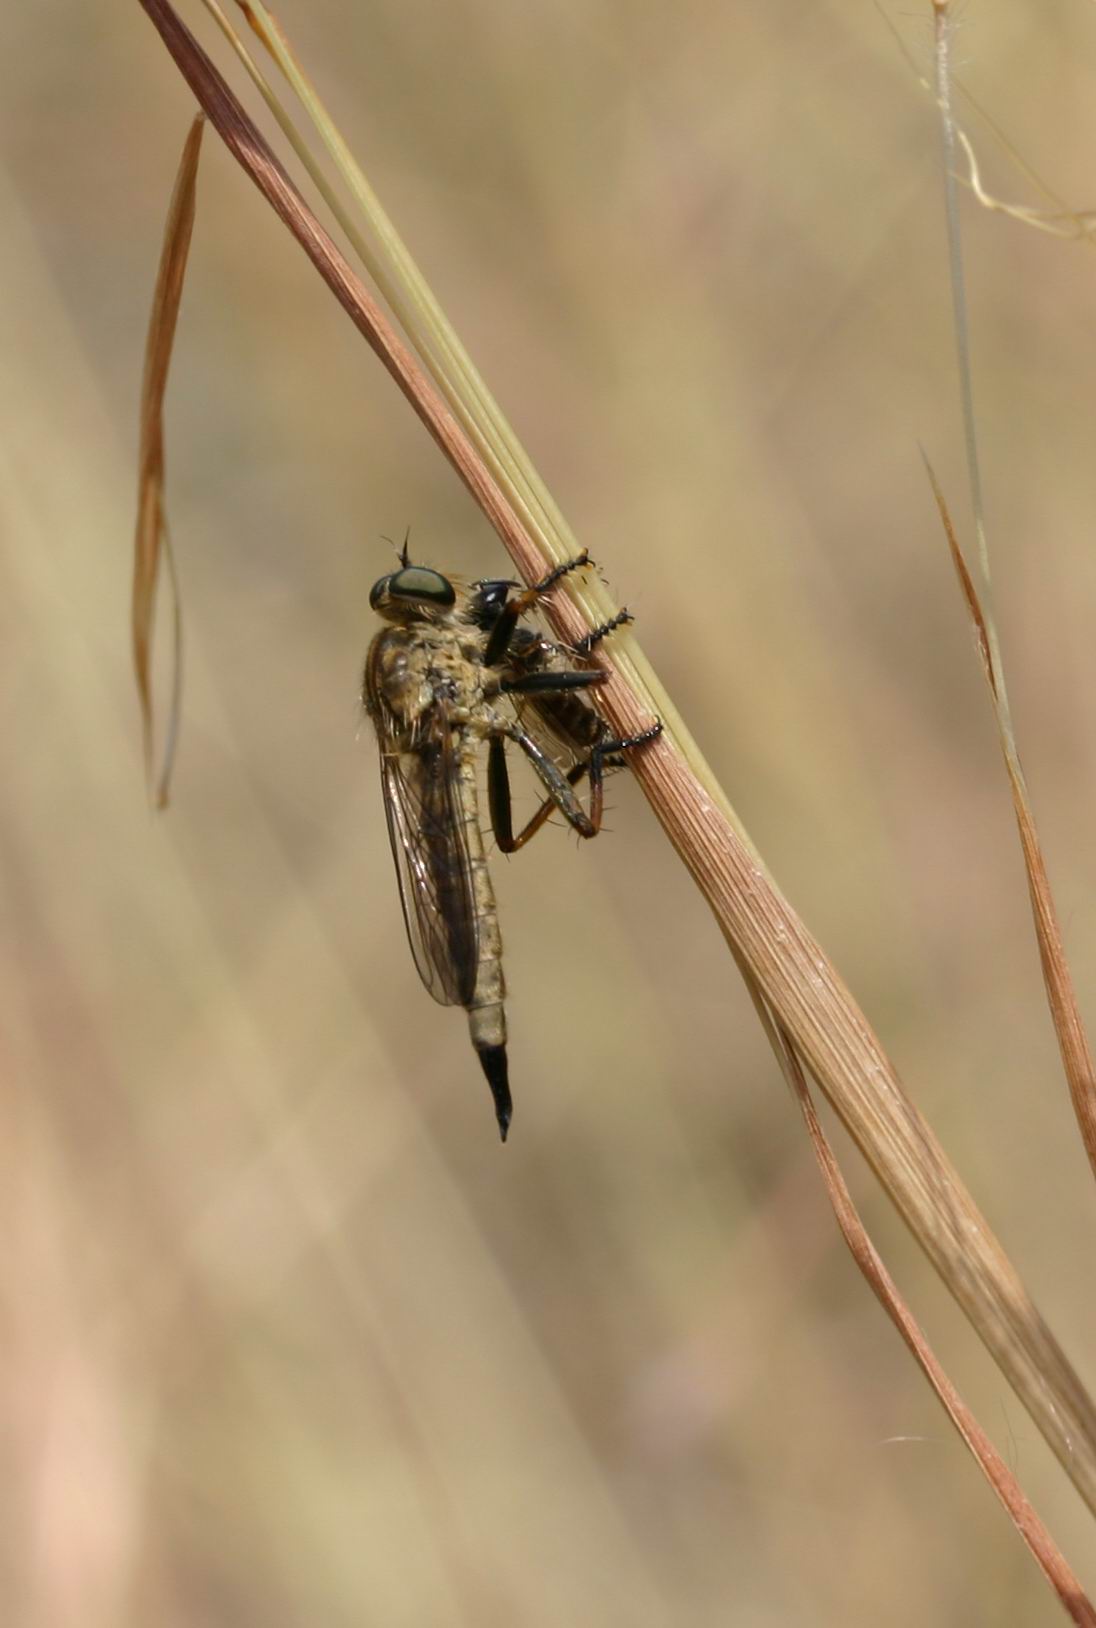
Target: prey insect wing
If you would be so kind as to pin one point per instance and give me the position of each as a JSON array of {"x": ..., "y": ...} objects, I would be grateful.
[{"x": 427, "y": 833}]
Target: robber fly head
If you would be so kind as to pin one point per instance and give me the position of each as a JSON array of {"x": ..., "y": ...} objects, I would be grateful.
[{"x": 413, "y": 593}]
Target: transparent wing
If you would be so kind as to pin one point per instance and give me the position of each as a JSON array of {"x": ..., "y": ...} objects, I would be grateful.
[
  {"x": 426, "y": 829},
  {"x": 551, "y": 726},
  {"x": 566, "y": 725}
]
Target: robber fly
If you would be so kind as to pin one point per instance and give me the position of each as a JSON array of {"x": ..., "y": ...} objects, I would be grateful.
[{"x": 436, "y": 685}]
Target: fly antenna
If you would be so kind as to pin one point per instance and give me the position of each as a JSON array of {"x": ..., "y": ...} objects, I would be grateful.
[{"x": 401, "y": 553}]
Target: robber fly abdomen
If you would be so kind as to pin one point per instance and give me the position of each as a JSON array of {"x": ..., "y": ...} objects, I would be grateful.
[
  {"x": 423, "y": 691},
  {"x": 436, "y": 683}
]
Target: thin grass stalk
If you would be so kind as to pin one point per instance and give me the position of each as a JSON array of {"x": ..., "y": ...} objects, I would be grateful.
[
  {"x": 1057, "y": 979},
  {"x": 797, "y": 981},
  {"x": 152, "y": 541},
  {"x": 957, "y": 281},
  {"x": 1059, "y": 220}
]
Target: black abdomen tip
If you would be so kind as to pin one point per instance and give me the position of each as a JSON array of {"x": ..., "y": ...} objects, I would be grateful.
[{"x": 493, "y": 1059}]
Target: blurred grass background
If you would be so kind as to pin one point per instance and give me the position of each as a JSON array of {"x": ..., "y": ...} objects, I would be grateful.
[{"x": 290, "y": 1338}]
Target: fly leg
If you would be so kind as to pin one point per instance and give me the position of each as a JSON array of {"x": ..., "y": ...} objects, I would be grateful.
[
  {"x": 498, "y": 798},
  {"x": 559, "y": 786},
  {"x": 498, "y": 775},
  {"x": 586, "y": 644},
  {"x": 548, "y": 682},
  {"x": 498, "y": 641},
  {"x": 610, "y": 754}
]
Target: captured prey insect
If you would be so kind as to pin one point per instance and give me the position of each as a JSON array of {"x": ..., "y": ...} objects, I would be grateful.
[{"x": 436, "y": 685}]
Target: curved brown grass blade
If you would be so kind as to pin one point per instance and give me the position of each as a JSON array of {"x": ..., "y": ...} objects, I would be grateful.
[
  {"x": 1068, "y": 1026},
  {"x": 152, "y": 539}
]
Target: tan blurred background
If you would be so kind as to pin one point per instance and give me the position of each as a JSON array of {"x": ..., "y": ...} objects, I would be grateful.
[{"x": 289, "y": 1339}]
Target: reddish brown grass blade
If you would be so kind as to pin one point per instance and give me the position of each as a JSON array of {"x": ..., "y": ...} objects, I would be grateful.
[
  {"x": 152, "y": 541},
  {"x": 1072, "y": 1039},
  {"x": 1047, "y": 1556}
]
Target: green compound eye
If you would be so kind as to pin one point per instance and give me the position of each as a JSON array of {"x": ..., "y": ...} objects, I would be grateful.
[
  {"x": 378, "y": 592},
  {"x": 415, "y": 583}
]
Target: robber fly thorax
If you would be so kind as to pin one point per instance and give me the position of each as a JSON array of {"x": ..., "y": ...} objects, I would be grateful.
[{"x": 443, "y": 678}]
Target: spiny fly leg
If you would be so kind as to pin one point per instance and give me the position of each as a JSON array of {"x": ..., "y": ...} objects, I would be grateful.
[
  {"x": 559, "y": 786},
  {"x": 551, "y": 683},
  {"x": 500, "y": 804},
  {"x": 609, "y": 754},
  {"x": 498, "y": 641},
  {"x": 586, "y": 644},
  {"x": 625, "y": 744},
  {"x": 559, "y": 571}
]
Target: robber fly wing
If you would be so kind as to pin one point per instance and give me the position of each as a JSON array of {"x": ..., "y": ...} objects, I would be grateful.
[{"x": 427, "y": 832}]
